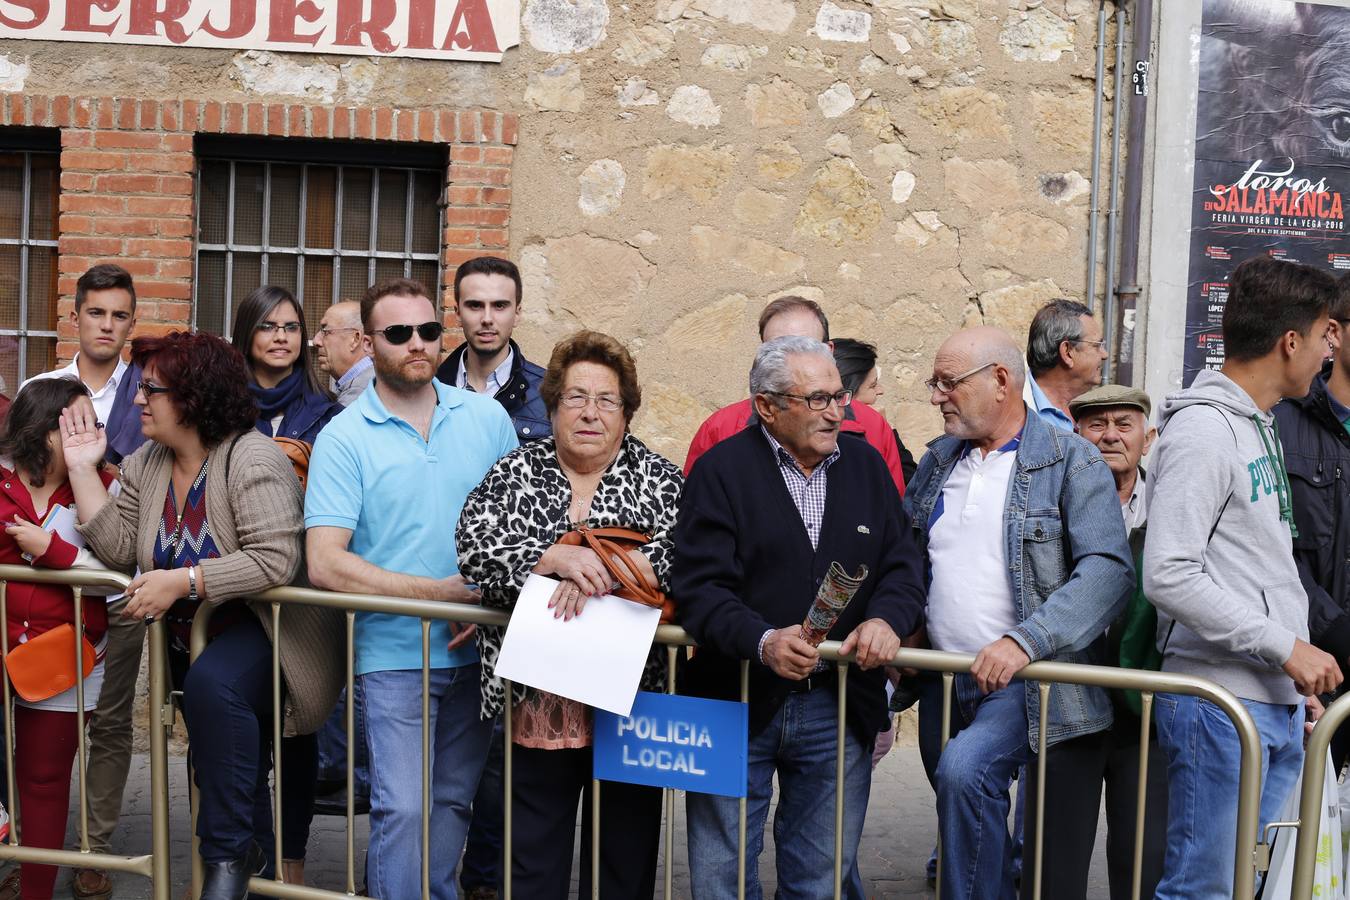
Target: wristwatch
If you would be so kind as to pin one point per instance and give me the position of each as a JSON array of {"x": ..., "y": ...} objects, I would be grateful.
[{"x": 192, "y": 584}]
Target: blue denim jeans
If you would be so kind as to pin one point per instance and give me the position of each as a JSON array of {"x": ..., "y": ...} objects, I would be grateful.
[
  {"x": 973, "y": 780},
  {"x": 393, "y": 723},
  {"x": 332, "y": 739},
  {"x": 798, "y": 744},
  {"x": 1202, "y": 752}
]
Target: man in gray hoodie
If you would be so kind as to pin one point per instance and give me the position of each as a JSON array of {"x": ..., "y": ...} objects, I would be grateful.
[{"x": 1219, "y": 567}]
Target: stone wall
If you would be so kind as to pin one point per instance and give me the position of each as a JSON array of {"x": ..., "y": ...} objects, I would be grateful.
[{"x": 916, "y": 165}]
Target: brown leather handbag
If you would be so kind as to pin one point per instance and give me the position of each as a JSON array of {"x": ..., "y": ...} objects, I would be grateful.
[
  {"x": 612, "y": 546},
  {"x": 44, "y": 666}
]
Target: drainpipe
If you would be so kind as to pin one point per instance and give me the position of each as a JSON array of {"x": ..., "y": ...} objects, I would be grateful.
[
  {"x": 1091, "y": 297},
  {"x": 1113, "y": 210},
  {"x": 1128, "y": 290}
]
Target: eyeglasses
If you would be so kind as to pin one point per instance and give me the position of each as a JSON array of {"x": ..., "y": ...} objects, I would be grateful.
[
  {"x": 401, "y": 334},
  {"x": 947, "y": 385},
  {"x": 325, "y": 331},
  {"x": 820, "y": 400},
  {"x": 1099, "y": 344},
  {"x": 603, "y": 402},
  {"x": 149, "y": 389},
  {"x": 271, "y": 327}
]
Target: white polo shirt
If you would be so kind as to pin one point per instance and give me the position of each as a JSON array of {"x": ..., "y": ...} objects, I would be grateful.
[
  {"x": 103, "y": 399},
  {"x": 970, "y": 602}
]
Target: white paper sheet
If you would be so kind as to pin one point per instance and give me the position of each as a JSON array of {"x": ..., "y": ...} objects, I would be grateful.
[{"x": 596, "y": 658}]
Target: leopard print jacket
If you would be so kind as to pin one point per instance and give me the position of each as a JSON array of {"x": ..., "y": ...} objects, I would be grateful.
[{"x": 519, "y": 510}]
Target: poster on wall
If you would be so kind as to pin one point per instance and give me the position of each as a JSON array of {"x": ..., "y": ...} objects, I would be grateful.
[{"x": 1272, "y": 151}]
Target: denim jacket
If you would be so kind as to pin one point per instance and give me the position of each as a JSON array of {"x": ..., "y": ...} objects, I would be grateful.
[{"x": 1069, "y": 561}]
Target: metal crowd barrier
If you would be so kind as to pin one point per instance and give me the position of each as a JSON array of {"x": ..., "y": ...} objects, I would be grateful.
[
  {"x": 1249, "y": 856},
  {"x": 1310, "y": 798}
]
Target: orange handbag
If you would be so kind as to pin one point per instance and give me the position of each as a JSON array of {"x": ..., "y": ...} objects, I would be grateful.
[
  {"x": 44, "y": 666},
  {"x": 612, "y": 546}
]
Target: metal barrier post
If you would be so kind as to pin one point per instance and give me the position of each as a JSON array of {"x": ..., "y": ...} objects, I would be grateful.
[
  {"x": 948, "y": 687},
  {"x": 426, "y": 757},
  {"x": 672, "y": 654},
  {"x": 351, "y": 752},
  {"x": 1145, "y": 723},
  {"x": 81, "y": 741},
  {"x": 1038, "y": 848},
  {"x": 508, "y": 741},
  {"x": 278, "y": 713},
  {"x": 1310, "y": 798},
  {"x": 15, "y": 834},
  {"x": 161, "y": 720},
  {"x": 841, "y": 685}
]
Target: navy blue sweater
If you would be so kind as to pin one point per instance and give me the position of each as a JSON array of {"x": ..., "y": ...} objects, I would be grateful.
[{"x": 744, "y": 564}]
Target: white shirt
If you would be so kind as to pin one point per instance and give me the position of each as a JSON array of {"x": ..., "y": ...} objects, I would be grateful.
[
  {"x": 496, "y": 380},
  {"x": 970, "y": 602},
  {"x": 104, "y": 397},
  {"x": 1135, "y": 510}
]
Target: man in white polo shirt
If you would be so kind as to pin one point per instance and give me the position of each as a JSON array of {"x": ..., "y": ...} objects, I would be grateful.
[{"x": 1027, "y": 560}]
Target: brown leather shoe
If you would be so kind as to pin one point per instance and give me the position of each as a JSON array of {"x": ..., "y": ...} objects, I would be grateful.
[{"x": 90, "y": 884}]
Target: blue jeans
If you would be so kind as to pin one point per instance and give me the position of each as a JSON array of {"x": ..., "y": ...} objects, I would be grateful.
[
  {"x": 973, "y": 780},
  {"x": 333, "y": 744},
  {"x": 393, "y": 722},
  {"x": 799, "y": 744},
  {"x": 483, "y": 853},
  {"x": 1202, "y": 752}
]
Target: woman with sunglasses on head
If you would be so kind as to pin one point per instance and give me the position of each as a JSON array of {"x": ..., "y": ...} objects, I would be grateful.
[
  {"x": 33, "y": 483},
  {"x": 210, "y": 511},
  {"x": 270, "y": 330}
]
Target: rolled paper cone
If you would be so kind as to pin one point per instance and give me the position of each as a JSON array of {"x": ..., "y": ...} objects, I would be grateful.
[{"x": 836, "y": 590}]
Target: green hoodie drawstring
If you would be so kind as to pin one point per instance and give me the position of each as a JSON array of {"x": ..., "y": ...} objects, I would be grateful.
[{"x": 1275, "y": 453}]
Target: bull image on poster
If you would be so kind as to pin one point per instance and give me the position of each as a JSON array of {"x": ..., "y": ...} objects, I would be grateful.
[{"x": 1272, "y": 151}]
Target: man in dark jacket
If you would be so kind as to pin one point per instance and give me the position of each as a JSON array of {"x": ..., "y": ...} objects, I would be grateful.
[
  {"x": 764, "y": 516},
  {"x": 487, "y": 301},
  {"x": 1313, "y": 430}
]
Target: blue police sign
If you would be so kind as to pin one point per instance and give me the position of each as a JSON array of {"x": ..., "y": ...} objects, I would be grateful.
[{"x": 668, "y": 741}]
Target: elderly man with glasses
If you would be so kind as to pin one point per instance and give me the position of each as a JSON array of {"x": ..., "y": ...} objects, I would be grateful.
[
  {"x": 342, "y": 351},
  {"x": 1065, "y": 352},
  {"x": 763, "y": 517},
  {"x": 1027, "y": 560}
]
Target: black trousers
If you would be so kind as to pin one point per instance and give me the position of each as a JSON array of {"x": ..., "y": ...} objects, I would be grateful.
[
  {"x": 1076, "y": 771},
  {"x": 546, "y": 787}
]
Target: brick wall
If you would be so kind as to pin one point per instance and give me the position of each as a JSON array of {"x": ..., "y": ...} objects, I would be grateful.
[{"x": 127, "y": 183}]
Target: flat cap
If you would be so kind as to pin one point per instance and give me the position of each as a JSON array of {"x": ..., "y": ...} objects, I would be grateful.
[{"x": 1111, "y": 395}]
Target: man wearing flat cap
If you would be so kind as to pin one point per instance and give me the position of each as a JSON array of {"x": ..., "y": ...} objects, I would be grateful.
[{"x": 1115, "y": 418}]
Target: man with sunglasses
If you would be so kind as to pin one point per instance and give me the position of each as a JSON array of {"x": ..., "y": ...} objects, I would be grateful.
[
  {"x": 386, "y": 484},
  {"x": 1065, "y": 352},
  {"x": 763, "y": 517},
  {"x": 342, "y": 352},
  {"x": 1027, "y": 559},
  {"x": 1315, "y": 432}
]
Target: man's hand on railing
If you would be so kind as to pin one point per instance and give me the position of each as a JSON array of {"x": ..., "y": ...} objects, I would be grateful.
[
  {"x": 788, "y": 655},
  {"x": 152, "y": 593},
  {"x": 875, "y": 641},
  {"x": 997, "y": 663},
  {"x": 457, "y": 590},
  {"x": 1314, "y": 671}
]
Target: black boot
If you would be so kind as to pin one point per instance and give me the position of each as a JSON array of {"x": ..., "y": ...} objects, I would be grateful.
[{"x": 229, "y": 880}]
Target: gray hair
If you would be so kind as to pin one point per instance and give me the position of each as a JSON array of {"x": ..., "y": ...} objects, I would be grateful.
[
  {"x": 1007, "y": 356},
  {"x": 1056, "y": 322},
  {"x": 772, "y": 372}
]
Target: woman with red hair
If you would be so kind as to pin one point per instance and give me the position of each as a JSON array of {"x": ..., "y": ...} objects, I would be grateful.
[{"x": 210, "y": 512}]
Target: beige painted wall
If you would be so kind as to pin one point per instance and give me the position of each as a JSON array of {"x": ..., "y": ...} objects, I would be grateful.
[{"x": 913, "y": 164}]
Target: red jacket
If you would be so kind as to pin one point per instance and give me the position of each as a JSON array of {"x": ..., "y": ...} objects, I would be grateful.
[
  {"x": 858, "y": 417},
  {"x": 35, "y": 608}
]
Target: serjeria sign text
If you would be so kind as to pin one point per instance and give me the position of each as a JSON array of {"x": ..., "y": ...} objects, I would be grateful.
[{"x": 434, "y": 29}]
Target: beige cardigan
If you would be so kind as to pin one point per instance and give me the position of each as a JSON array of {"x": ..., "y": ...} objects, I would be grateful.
[{"x": 257, "y": 523}]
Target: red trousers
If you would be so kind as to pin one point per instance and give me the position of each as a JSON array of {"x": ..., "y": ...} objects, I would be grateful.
[{"x": 45, "y": 748}]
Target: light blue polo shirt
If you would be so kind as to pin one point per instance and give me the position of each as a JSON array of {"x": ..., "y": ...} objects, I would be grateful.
[
  {"x": 1041, "y": 405},
  {"x": 401, "y": 496}
]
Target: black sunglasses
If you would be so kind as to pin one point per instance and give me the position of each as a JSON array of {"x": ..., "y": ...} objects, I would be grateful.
[{"x": 401, "y": 334}]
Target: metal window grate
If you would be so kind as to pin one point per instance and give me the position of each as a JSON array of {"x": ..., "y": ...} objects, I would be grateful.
[
  {"x": 29, "y": 197},
  {"x": 326, "y": 232}
]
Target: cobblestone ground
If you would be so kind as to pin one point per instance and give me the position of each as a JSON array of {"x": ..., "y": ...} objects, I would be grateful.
[{"x": 899, "y": 834}]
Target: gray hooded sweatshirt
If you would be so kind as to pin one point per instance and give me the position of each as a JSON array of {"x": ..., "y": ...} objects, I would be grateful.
[{"x": 1218, "y": 558}]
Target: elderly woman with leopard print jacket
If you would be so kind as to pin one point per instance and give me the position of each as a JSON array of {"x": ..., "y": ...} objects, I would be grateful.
[{"x": 594, "y": 471}]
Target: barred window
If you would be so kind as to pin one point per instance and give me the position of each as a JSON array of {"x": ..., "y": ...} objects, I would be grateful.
[
  {"x": 30, "y": 182},
  {"x": 314, "y": 220}
]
